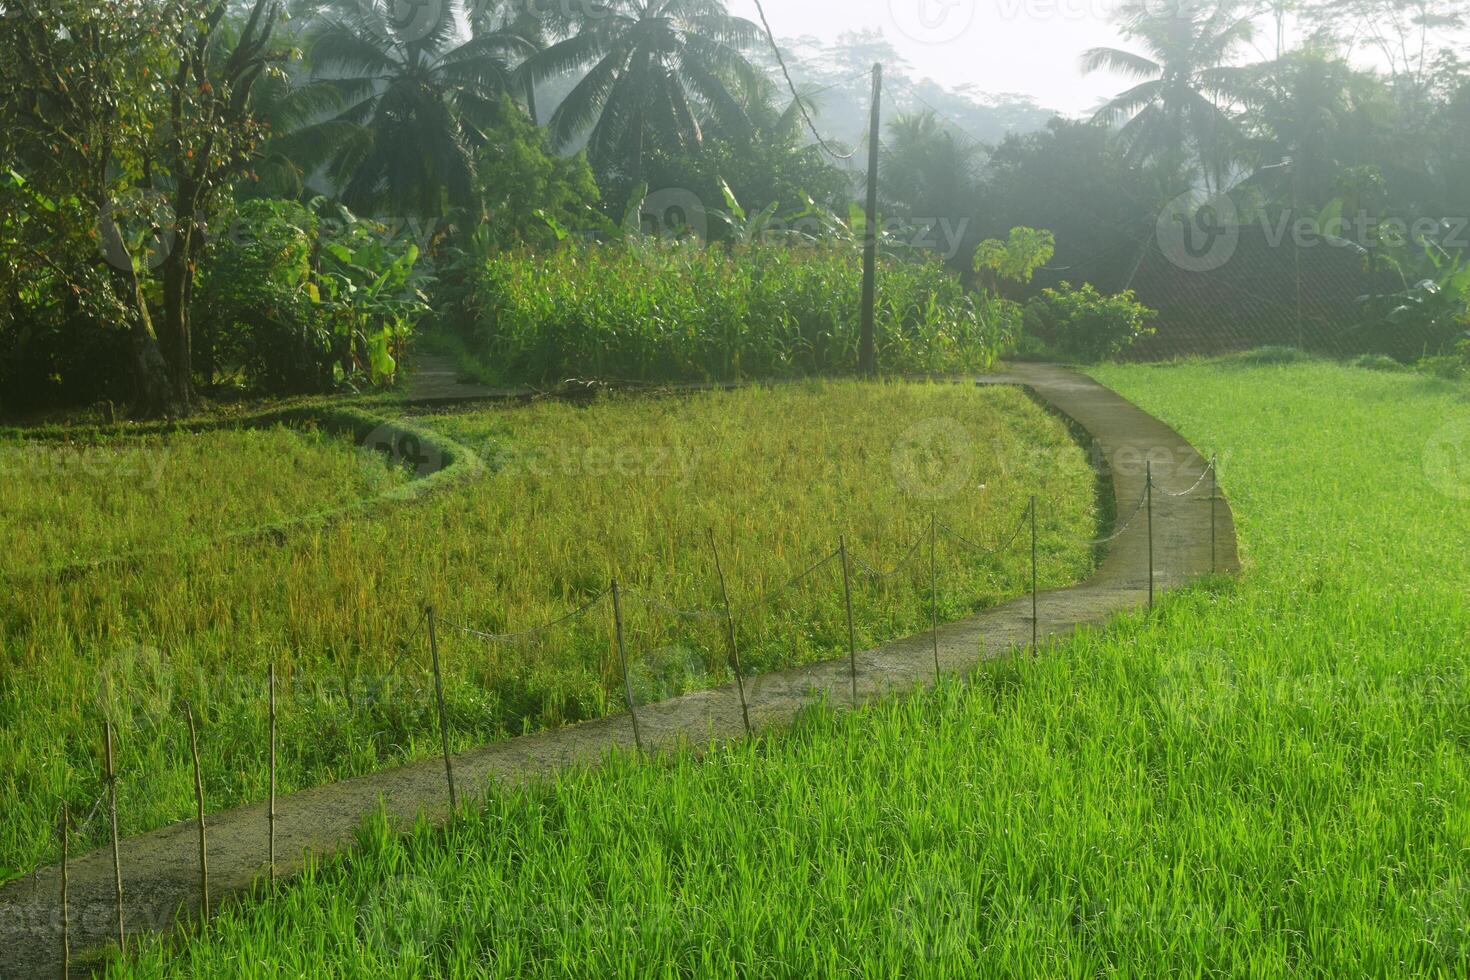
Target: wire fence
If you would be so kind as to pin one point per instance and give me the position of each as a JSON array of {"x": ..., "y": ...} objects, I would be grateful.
[{"x": 639, "y": 619}]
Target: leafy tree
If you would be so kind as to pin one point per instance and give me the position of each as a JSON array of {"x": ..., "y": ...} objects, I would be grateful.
[
  {"x": 657, "y": 72},
  {"x": 1315, "y": 110},
  {"x": 928, "y": 169},
  {"x": 529, "y": 193},
  {"x": 129, "y": 122},
  {"x": 1071, "y": 178},
  {"x": 1405, "y": 35},
  {"x": 1016, "y": 259},
  {"x": 770, "y": 167}
]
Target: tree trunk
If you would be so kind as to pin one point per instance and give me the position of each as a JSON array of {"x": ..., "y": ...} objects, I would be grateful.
[
  {"x": 152, "y": 392},
  {"x": 178, "y": 289}
]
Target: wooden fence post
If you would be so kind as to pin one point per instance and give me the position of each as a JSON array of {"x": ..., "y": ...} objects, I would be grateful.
[
  {"x": 199, "y": 806},
  {"x": 443, "y": 719},
  {"x": 271, "y": 813},
  {"x": 847, "y": 599},
  {"x": 65, "y": 827},
  {"x": 111, "y": 778},
  {"x": 617, "y": 598},
  {"x": 730, "y": 633}
]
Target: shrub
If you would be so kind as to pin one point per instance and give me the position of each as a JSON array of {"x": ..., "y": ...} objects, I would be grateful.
[
  {"x": 1266, "y": 356},
  {"x": 294, "y": 307},
  {"x": 1084, "y": 324},
  {"x": 254, "y": 310},
  {"x": 658, "y": 312},
  {"x": 1377, "y": 362}
]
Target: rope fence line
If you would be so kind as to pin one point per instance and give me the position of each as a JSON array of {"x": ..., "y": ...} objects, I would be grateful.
[
  {"x": 1123, "y": 528},
  {"x": 883, "y": 576},
  {"x": 1209, "y": 471},
  {"x": 983, "y": 550},
  {"x": 726, "y": 616},
  {"x": 577, "y": 613}
]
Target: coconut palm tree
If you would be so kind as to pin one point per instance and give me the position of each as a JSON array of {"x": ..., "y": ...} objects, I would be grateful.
[
  {"x": 420, "y": 94},
  {"x": 927, "y": 169},
  {"x": 656, "y": 71},
  {"x": 1187, "y": 82}
]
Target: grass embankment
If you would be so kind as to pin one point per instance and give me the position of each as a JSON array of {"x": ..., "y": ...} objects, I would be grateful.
[
  {"x": 1266, "y": 778},
  {"x": 573, "y": 496},
  {"x": 99, "y": 498}
]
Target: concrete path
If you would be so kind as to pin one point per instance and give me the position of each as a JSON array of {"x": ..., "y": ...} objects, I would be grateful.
[{"x": 160, "y": 869}]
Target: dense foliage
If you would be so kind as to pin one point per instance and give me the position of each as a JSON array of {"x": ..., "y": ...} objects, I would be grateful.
[
  {"x": 1083, "y": 325},
  {"x": 652, "y": 311}
]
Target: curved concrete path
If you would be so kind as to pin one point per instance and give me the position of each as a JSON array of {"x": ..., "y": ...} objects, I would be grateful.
[{"x": 160, "y": 869}]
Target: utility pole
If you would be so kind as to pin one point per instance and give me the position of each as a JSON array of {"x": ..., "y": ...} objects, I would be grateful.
[{"x": 867, "y": 347}]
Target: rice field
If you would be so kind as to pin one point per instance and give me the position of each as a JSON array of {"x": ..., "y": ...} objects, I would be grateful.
[
  {"x": 572, "y": 497},
  {"x": 1268, "y": 777}
]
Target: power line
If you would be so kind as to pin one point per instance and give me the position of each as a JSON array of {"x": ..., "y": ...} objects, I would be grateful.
[{"x": 781, "y": 60}]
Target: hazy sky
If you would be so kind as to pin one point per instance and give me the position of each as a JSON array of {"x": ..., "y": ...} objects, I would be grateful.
[{"x": 1027, "y": 46}]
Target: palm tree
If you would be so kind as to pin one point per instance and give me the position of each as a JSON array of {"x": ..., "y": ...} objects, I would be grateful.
[
  {"x": 1185, "y": 78},
  {"x": 420, "y": 95},
  {"x": 656, "y": 71},
  {"x": 926, "y": 169}
]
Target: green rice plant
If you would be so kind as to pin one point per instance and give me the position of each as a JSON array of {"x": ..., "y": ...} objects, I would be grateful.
[
  {"x": 659, "y": 312},
  {"x": 570, "y": 498},
  {"x": 1268, "y": 777}
]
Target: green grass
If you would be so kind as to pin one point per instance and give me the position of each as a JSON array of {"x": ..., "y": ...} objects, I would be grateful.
[
  {"x": 1267, "y": 777},
  {"x": 572, "y": 497}
]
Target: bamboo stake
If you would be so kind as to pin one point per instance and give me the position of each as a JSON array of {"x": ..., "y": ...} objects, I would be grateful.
[
  {"x": 617, "y": 598},
  {"x": 65, "y": 826},
  {"x": 111, "y": 777},
  {"x": 1214, "y": 505},
  {"x": 1035, "y": 595},
  {"x": 443, "y": 719},
  {"x": 199, "y": 806},
  {"x": 847, "y": 599},
  {"x": 1149, "y": 491},
  {"x": 934, "y": 587},
  {"x": 271, "y": 813},
  {"x": 730, "y": 633}
]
